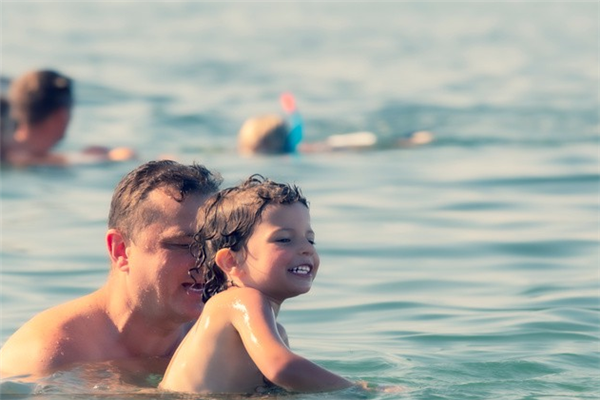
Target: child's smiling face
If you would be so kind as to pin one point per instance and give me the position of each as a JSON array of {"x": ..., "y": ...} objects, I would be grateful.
[{"x": 280, "y": 259}]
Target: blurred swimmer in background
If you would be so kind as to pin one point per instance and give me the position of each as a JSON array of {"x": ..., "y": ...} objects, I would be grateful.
[
  {"x": 35, "y": 117},
  {"x": 274, "y": 134}
]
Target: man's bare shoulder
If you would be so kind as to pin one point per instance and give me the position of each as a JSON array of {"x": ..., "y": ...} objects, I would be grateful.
[
  {"x": 71, "y": 317},
  {"x": 53, "y": 338}
]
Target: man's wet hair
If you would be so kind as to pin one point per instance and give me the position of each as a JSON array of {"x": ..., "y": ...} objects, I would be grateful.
[{"x": 129, "y": 209}]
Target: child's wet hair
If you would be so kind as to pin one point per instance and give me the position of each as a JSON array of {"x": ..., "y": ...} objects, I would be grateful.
[{"x": 227, "y": 219}]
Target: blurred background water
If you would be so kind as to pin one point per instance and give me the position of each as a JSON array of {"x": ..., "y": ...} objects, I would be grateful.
[{"x": 464, "y": 269}]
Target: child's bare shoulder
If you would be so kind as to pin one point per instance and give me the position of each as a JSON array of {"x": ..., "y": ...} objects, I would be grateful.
[
  {"x": 237, "y": 297},
  {"x": 241, "y": 293}
]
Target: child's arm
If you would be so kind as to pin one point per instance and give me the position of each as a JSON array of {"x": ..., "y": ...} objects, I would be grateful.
[{"x": 255, "y": 322}]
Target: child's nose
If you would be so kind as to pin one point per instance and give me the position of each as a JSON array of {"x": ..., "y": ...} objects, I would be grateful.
[{"x": 307, "y": 248}]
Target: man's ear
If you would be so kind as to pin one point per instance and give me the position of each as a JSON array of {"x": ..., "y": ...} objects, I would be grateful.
[
  {"x": 226, "y": 260},
  {"x": 117, "y": 250}
]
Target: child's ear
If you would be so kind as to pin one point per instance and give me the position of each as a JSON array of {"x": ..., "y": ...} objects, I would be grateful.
[{"x": 225, "y": 259}]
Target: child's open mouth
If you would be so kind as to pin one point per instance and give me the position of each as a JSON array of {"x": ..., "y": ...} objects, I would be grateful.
[{"x": 301, "y": 270}]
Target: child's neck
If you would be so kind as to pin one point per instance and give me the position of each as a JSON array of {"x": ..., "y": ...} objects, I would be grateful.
[
  {"x": 274, "y": 302},
  {"x": 275, "y": 305}
]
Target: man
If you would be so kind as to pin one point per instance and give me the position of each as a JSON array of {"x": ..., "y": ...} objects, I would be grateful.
[
  {"x": 40, "y": 105},
  {"x": 148, "y": 301}
]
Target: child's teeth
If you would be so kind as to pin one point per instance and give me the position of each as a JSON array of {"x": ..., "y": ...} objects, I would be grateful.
[{"x": 303, "y": 269}]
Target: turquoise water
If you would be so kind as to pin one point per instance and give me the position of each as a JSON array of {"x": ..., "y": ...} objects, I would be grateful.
[{"x": 464, "y": 269}]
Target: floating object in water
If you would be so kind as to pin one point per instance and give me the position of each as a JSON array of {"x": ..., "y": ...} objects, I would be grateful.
[
  {"x": 288, "y": 103},
  {"x": 352, "y": 140}
]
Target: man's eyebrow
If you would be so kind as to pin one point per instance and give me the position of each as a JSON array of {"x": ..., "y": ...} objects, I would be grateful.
[{"x": 177, "y": 235}]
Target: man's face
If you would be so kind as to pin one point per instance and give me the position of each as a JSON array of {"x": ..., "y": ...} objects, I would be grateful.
[{"x": 159, "y": 260}]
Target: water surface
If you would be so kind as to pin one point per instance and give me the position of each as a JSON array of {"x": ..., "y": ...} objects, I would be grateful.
[{"x": 464, "y": 269}]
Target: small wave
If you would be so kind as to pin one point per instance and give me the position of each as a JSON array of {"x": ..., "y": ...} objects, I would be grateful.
[
  {"x": 16, "y": 389},
  {"x": 539, "y": 180}
]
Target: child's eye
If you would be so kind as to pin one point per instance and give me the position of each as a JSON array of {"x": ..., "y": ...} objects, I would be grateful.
[
  {"x": 283, "y": 240},
  {"x": 312, "y": 241}
]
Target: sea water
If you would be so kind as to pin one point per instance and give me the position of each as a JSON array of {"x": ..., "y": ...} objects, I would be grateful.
[{"x": 467, "y": 268}]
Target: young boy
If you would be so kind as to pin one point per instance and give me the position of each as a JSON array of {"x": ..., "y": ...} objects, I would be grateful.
[{"x": 255, "y": 248}]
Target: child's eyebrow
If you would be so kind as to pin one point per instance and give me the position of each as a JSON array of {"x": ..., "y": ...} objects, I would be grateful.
[{"x": 310, "y": 231}]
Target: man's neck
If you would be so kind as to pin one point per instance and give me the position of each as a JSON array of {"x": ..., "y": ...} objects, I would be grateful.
[{"x": 137, "y": 332}]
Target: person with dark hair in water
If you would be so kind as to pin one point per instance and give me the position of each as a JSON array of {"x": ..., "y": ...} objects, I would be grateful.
[
  {"x": 40, "y": 104},
  {"x": 148, "y": 302}
]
